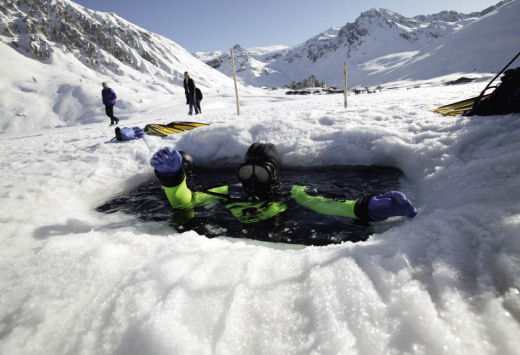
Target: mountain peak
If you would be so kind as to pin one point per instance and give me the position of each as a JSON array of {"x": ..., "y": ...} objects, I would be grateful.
[
  {"x": 378, "y": 12},
  {"x": 379, "y": 16}
]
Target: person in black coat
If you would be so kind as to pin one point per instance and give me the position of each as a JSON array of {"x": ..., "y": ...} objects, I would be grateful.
[
  {"x": 198, "y": 99},
  {"x": 189, "y": 90}
]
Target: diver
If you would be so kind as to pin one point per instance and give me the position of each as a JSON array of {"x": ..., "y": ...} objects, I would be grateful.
[{"x": 258, "y": 197}]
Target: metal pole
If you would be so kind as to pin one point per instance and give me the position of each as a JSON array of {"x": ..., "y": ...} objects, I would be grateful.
[
  {"x": 235, "y": 79},
  {"x": 345, "y": 86}
]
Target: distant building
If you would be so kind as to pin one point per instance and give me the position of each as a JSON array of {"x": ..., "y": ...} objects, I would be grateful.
[{"x": 310, "y": 82}]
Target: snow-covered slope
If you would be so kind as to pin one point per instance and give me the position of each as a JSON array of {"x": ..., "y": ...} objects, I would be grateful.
[
  {"x": 382, "y": 46},
  {"x": 52, "y": 39},
  {"x": 485, "y": 45}
]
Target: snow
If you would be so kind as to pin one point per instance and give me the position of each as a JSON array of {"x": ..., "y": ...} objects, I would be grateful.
[
  {"x": 77, "y": 281},
  {"x": 259, "y": 51}
]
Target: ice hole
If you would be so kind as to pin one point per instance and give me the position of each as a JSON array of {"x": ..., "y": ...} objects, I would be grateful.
[{"x": 297, "y": 224}]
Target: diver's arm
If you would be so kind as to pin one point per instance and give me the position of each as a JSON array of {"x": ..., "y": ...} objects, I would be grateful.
[
  {"x": 324, "y": 205},
  {"x": 368, "y": 208},
  {"x": 173, "y": 180},
  {"x": 179, "y": 196},
  {"x": 168, "y": 167},
  {"x": 167, "y": 164}
]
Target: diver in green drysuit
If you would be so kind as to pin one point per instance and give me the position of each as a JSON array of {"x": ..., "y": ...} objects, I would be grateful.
[{"x": 257, "y": 199}]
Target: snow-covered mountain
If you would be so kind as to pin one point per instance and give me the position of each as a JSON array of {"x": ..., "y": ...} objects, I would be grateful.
[
  {"x": 382, "y": 46},
  {"x": 250, "y": 67},
  {"x": 53, "y": 37}
]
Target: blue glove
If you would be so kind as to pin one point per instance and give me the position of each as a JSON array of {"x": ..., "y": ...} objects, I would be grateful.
[
  {"x": 138, "y": 132},
  {"x": 167, "y": 161},
  {"x": 390, "y": 204}
]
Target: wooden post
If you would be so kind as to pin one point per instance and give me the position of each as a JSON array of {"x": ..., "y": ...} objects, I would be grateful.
[
  {"x": 235, "y": 79},
  {"x": 345, "y": 86}
]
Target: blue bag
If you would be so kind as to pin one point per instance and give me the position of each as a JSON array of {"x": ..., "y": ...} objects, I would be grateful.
[{"x": 129, "y": 133}]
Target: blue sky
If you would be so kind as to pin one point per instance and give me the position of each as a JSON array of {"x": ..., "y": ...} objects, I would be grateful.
[{"x": 207, "y": 25}]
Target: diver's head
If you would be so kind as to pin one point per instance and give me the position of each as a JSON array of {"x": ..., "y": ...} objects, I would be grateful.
[{"x": 259, "y": 173}]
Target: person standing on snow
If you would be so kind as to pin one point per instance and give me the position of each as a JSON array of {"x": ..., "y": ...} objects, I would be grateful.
[
  {"x": 109, "y": 100},
  {"x": 198, "y": 99},
  {"x": 189, "y": 90},
  {"x": 259, "y": 196}
]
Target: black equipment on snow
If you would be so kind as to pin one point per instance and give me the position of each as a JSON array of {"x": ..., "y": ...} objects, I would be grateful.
[{"x": 504, "y": 99}]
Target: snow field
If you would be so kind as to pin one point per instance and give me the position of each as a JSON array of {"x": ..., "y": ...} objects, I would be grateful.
[
  {"x": 78, "y": 281},
  {"x": 75, "y": 281}
]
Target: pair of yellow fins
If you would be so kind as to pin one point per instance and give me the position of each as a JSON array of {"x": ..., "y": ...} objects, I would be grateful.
[
  {"x": 458, "y": 108},
  {"x": 171, "y": 128}
]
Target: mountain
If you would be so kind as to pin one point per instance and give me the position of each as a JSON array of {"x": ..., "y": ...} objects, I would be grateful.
[
  {"x": 68, "y": 50},
  {"x": 102, "y": 41},
  {"x": 484, "y": 45},
  {"x": 382, "y": 46}
]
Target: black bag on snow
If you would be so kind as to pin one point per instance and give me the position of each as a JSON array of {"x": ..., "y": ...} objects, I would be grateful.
[
  {"x": 503, "y": 100},
  {"x": 198, "y": 94}
]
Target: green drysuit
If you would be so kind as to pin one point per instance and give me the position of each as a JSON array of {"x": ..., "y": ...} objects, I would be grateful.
[{"x": 181, "y": 197}]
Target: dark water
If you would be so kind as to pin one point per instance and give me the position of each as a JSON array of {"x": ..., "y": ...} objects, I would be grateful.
[{"x": 296, "y": 225}]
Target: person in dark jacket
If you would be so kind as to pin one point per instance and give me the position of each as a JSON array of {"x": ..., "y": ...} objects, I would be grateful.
[
  {"x": 109, "y": 100},
  {"x": 198, "y": 99},
  {"x": 258, "y": 199},
  {"x": 189, "y": 90}
]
